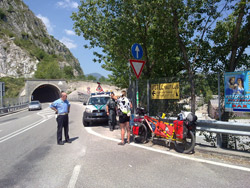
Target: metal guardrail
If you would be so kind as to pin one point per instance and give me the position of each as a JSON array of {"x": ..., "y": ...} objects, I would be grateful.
[
  {"x": 222, "y": 127},
  {"x": 9, "y": 109},
  {"x": 240, "y": 129}
]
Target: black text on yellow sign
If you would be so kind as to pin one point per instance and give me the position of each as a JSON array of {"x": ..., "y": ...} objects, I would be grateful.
[{"x": 165, "y": 91}]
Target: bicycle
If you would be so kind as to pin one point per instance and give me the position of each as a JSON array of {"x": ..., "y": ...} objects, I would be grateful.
[{"x": 181, "y": 132}]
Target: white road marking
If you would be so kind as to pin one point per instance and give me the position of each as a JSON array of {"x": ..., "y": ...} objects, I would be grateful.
[
  {"x": 183, "y": 156},
  {"x": 74, "y": 176},
  {"x": 22, "y": 130},
  {"x": 47, "y": 112}
]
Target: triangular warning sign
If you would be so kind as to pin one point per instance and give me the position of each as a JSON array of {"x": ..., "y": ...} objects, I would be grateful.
[
  {"x": 137, "y": 66},
  {"x": 99, "y": 87}
]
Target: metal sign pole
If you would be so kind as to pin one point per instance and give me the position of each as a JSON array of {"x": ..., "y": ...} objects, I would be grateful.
[
  {"x": 219, "y": 107},
  {"x": 148, "y": 95},
  {"x": 137, "y": 94},
  {"x": 1, "y": 93},
  {"x": 218, "y": 135}
]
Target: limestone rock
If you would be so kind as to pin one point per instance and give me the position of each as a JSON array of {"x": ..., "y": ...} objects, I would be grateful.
[{"x": 19, "y": 27}]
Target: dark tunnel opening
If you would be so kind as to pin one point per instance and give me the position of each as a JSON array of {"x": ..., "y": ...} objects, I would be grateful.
[{"x": 45, "y": 93}]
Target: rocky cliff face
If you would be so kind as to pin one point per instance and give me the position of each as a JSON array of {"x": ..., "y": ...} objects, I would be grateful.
[{"x": 23, "y": 37}]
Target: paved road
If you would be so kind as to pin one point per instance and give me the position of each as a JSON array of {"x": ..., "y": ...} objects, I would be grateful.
[{"x": 31, "y": 158}]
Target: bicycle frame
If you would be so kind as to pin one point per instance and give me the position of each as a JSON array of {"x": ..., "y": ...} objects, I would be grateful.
[
  {"x": 180, "y": 132},
  {"x": 161, "y": 133}
]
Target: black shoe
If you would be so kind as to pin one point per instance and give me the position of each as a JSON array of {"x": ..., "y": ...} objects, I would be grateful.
[
  {"x": 60, "y": 143},
  {"x": 68, "y": 141}
]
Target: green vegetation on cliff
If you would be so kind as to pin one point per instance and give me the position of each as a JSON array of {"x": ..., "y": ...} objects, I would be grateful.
[{"x": 13, "y": 86}]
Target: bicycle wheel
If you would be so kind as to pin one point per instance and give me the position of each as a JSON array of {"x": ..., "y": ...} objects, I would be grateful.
[
  {"x": 185, "y": 145},
  {"x": 142, "y": 136}
]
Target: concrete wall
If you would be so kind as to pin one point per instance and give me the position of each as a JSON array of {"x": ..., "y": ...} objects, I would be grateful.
[{"x": 31, "y": 85}]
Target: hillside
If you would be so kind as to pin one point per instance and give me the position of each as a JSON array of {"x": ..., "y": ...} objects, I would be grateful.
[
  {"x": 24, "y": 42},
  {"x": 96, "y": 75}
]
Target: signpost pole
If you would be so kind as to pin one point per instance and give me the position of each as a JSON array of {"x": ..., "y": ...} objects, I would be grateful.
[
  {"x": 148, "y": 94},
  {"x": 219, "y": 97},
  {"x": 137, "y": 94},
  {"x": 218, "y": 135},
  {"x": 1, "y": 93}
]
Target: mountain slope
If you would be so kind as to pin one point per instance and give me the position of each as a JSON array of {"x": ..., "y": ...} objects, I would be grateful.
[
  {"x": 96, "y": 75},
  {"x": 24, "y": 41}
]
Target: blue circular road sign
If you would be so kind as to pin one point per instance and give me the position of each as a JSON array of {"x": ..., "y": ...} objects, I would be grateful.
[{"x": 137, "y": 51}]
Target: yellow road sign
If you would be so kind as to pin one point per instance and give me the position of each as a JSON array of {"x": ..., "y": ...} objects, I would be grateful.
[{"x": 165, "y": 91}]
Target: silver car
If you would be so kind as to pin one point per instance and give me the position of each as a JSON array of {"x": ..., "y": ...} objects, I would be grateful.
[{"x": 35, "y": 105}]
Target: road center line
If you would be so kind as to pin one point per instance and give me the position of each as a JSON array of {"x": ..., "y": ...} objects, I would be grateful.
[
  {"x": 173, "y": 154},
  {"x": 74, "y": 176}
]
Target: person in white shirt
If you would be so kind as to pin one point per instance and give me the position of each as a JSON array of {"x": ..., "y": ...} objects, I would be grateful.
[{"x": 124, "y": 108}]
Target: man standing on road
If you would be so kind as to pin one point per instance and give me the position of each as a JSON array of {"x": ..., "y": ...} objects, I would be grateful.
[
  {"x": 111, "y": 111},
  {"x": 62, "y": 107}
]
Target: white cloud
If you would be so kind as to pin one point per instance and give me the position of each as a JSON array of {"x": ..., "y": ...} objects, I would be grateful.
[
  {"x": 69, "y": 32},
  {"x": 67, "y": 4},
  {"x": 46, "y": 22},
  {"x": 68, "y": 42}
]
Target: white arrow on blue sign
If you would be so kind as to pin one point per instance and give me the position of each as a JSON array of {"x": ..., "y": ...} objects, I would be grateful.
[{"x": 137, "y": 51}]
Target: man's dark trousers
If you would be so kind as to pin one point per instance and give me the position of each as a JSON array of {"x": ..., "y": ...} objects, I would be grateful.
[
  {"x": 62, "y": 122},
  {"x": 112, "y": 119}
]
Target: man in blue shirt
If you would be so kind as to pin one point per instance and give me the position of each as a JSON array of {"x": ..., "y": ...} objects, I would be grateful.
[{"x": 62, "y": 108}]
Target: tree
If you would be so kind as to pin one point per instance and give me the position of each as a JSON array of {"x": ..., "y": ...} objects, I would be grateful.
[
  {"x": 91, "y": 77},
  {"x": 68, "y": 72},
  {"x": 178, "y": 37},
  {"x": 48, "y": 69},
  {"x": 115, "y": 25},
  {"x": 192, "y": 20},
  {"x": 231, "y": 38},
  {"x": 102, "y": 79}
]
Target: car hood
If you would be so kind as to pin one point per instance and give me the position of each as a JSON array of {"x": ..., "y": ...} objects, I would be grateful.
[{"x": 96, "y": 107}]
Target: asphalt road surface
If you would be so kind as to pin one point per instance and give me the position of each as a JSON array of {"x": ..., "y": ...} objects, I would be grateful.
[{"x": 31, "y": 158}]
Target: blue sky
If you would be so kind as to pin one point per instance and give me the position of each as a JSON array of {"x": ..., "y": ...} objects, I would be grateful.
[{"x": 56, "y": 16}]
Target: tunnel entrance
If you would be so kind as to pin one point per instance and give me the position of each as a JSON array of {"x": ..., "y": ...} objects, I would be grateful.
[{"x": 45, "y": 93}]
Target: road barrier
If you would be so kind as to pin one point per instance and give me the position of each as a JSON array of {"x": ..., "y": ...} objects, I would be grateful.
[
  {"x": 240, "y": 129},
  {"x": 222, "y": 127},
  {"x": 9, "y": 109}
]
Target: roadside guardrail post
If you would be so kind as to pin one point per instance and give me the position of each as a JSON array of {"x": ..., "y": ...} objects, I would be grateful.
[{"x": 219, "y": 140}]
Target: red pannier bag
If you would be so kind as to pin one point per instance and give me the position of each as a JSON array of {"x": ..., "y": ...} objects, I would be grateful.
[
  {"x": 180, "y": 129},
  {"x": 136, "y": 130}
]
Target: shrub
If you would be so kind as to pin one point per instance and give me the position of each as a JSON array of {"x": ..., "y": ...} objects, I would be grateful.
[
  {"x": 2, "y": 14},
  {"x": 13, "y": 86}
]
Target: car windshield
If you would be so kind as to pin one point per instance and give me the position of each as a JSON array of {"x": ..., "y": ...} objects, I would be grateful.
[
  {"x": 98, "y": 100},
  {"x": 34, "y": 102}
]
